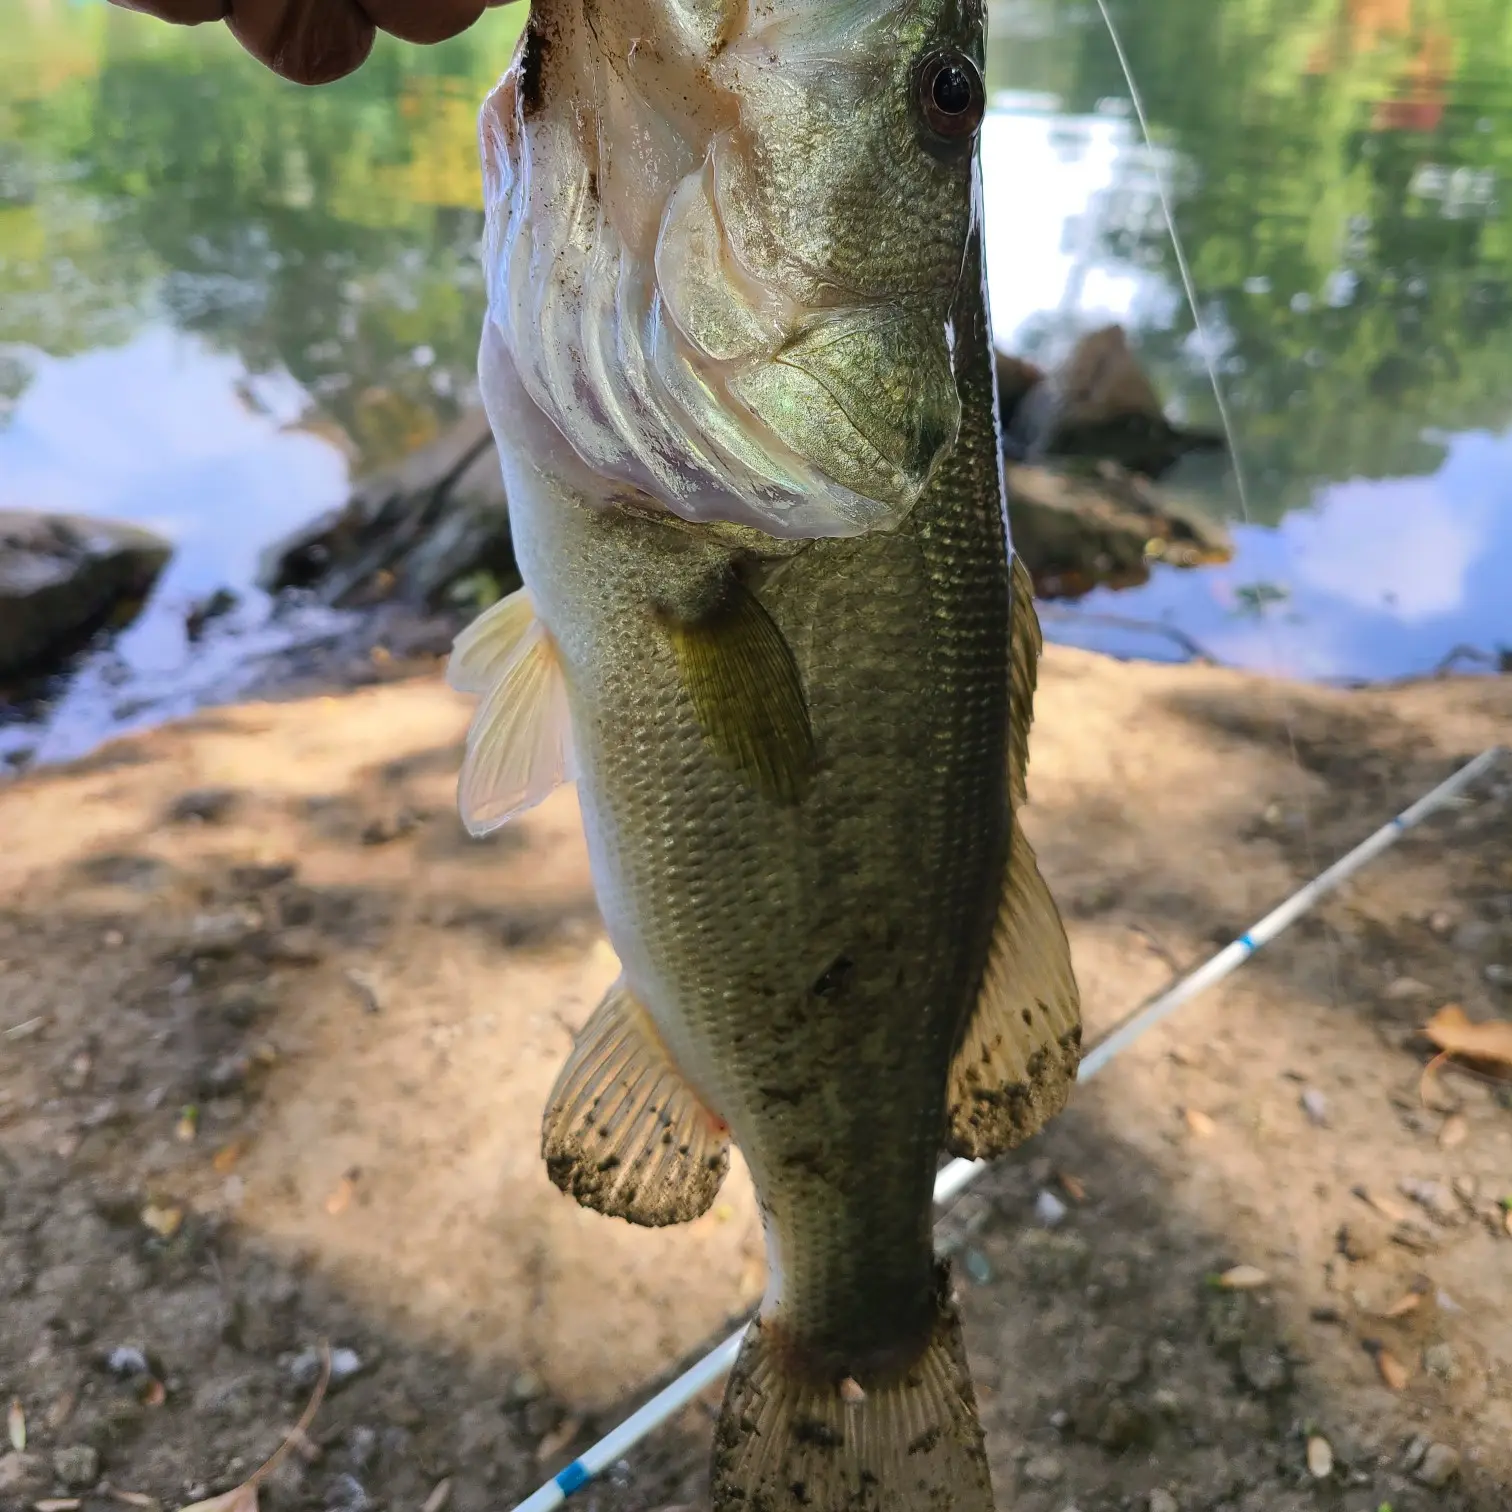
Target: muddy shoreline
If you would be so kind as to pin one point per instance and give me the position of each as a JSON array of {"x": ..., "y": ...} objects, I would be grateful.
[{"x": 277, "y": 1037}]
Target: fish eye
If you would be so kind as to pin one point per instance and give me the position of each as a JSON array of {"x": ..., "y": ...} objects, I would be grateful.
[{"x": 951, "y": 94}]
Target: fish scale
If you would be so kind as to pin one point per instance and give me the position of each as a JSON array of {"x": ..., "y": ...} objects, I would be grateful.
[{"x": 797, "y": 749}]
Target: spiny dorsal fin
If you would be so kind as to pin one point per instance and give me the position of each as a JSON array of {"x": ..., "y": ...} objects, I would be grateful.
[
  {"x": 519, "y": 747},
  {"x": 906, "y": 1441},
  {"x": 746, "y": 692},
  {"x": 623, "y": 1132},
  {"x": 1025, "y": 644}
]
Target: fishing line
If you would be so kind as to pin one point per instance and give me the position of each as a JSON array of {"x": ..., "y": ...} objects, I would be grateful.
[
  {"x": 959, "y": 1174},
  {"x": 1220, "y": 398}
]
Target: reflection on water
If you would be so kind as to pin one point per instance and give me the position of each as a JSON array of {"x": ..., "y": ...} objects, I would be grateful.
[
  {"x": 1340, "y": 176},
  {"x": 220, "y": 295}
]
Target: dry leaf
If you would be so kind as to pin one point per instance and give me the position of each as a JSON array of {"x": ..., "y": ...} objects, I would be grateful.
[
  {"x": 1455, "y": 1132},
  {"x": 227, "y": 1156},
  {"x": 152, "y": 1393},
  {"x": 439, "y": 1497},
  {"x": 1393, "y": 1372},
  {"x": 1320, "y": 1460},
  {"x": 61, "y": 1410},
  {"x": 187, "y": 1126},
  {"x": 558, "y": 1439},
  {"x": 163, "y": 1219},
  {"x": 1384, "y": 1206},
  {"x": 15, "y": 1423},
  {"x": 133, "y": 1498},
  {"x": 341, "y": 1199},
  {"x": 244, "y": 1497},
  {"x": 1409, "y": 1302},
  {"x": 1244, "y": 1278},
  {"x": 1200, "y": 1124},
  {"x": 1451, "y": 1030},
  {"x": 1507, "y": 1215},
  {"x": 1073, "y": 1187},
  {"x": 58, "y": 1504}
]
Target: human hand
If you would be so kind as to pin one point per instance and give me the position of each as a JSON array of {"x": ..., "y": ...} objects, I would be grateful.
[{"x": 316, "y": 41}]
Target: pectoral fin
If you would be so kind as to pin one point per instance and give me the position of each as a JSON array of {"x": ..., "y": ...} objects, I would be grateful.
[
  {"x": 746, "y": 692},
  {"x": 519, "y": 747},
  {"x": 1017, "y": 1063},
  {"x": 624, "y": 1133}
]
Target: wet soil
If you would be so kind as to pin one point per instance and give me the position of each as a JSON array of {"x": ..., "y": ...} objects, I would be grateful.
[{"x": 275, "y": 1038}]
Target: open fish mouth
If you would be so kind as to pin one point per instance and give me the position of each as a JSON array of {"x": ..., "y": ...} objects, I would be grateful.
[{"x": 680, "y": 354}]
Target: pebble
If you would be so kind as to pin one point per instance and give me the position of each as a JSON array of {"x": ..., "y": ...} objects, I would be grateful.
[
  {"x": 20, "y": 1473},
  {"x": 1315, "y": 1105},
  {"x": 77, "y": 1465},
  {"x": 347, "y": 1493},
  {"x": 126, "y": 1361},
  {"x": 1163, "y": 1501},
  {"x": 1440, "y": 1465},
  {"x": 362, "y": 1445},
  {"x": 1440, "y": 1360},
  {"x": 976, "y": 1265},
  {"x": 1264, "y": 1369},
  {"x": 1433, "y": 1196},
  {"x": 1049, "y": 1209},
  {"x": 305, "y": 1368},
  {"x": 1044, "y": 1470},
  {"x": 525, "y": 1387}
]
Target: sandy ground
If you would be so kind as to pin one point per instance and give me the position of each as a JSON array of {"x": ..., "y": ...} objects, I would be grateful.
[{"x": 268, "y": 916}]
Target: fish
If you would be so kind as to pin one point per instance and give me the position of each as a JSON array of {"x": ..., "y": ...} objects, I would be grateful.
[{"x": 738, "y": 363}]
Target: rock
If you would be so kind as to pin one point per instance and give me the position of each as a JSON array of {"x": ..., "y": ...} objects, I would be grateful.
[
  {"x": 1049, "y": 1209},
  {"x": 1440, "y": 1360},
  {"x": 127, "y": 1362},
  {"x": 1163, "y": 1501},
  {"x": 62, "y": 577},
  {"x": 304, "y": 1369},
  {"x": 1439, "y": 1466},
  {"x": 77, "y": 1466},
  {"x": 1044, "y": 1470},
  {"x": 1098, "y": 403},
  {"x": 411, "y": 532},
  {"x": 1263, "y": 1369},
  {"x": 346, "y": 1494},
  {"x": 21, "y": 1475},
  {"x": 1315, "y": 1105},
  {"x": 362, "y": 1446},
  {"x": 1077, "y": 530}
]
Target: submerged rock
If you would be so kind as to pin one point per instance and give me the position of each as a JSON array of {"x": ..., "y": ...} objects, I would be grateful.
[{"x": 62, "y": 577}]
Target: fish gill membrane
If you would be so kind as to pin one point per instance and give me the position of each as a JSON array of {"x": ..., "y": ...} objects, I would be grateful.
[
  {"x": 736, "y": 307},
  {"x": 724, "y": 247}
]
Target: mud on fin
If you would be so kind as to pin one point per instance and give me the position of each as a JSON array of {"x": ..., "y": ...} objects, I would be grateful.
[
  {"x": 912, "y": 1443},
  {"x": 746, "y": 692},
  {"x": 519, "y": 747},
  {"x": 623, "y": 1132},
  {"x": 1016, "y": 1065}
]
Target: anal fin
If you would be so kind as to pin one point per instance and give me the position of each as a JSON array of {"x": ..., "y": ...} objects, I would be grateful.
[
  {"x": 519, "y": 748},
  {"x": 909, "y": 1442},
  {"x": 623, "y": 1132},
  {"x": 746, "y": 692}
]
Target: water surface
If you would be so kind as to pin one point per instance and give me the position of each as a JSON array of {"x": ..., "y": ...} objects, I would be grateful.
[{"x": 221, "y": 296}]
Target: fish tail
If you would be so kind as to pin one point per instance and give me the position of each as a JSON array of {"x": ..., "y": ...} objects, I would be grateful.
[{"x": 908, "y": 1441}]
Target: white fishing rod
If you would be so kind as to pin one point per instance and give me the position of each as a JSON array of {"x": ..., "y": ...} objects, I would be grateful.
[{"x": 961, "y": 1173}]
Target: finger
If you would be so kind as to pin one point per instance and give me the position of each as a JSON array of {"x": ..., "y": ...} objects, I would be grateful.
[
  {"x": 423, "y": 20},
  {"x": 180, "y": 12},
  {"x": 308, "y": 41}
]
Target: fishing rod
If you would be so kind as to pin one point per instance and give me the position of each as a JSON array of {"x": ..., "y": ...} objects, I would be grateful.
[{"x": 959, "y": 1174}]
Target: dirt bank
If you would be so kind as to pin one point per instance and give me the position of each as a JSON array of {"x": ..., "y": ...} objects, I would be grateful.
[{"x": 268, "y": 916}]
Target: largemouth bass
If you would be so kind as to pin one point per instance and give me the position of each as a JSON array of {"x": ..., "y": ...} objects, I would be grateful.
[{"x": 739, "y": 367}]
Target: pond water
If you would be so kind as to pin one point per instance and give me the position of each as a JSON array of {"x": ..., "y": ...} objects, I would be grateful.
[{"x": 221, "y": 297}]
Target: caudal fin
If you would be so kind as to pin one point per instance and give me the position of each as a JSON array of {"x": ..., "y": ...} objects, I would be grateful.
[{"x": 905, "y": 1443}]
